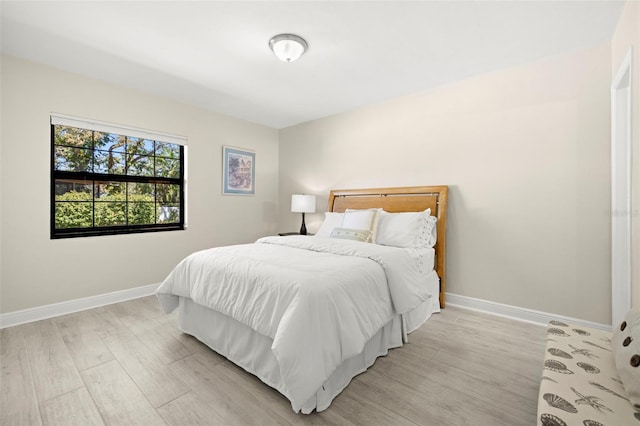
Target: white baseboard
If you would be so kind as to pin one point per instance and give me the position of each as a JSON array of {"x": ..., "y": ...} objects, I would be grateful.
[
  {"x": 49, "y": 311},
  {"x": 56, "y": 309},
  {"x": 514, "y": 312}
]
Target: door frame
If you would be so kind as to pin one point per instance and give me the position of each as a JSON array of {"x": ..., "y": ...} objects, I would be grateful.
[{"x": 621, "y": 142}]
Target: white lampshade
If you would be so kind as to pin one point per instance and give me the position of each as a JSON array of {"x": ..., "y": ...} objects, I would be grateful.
[
  {"x": 303, "y": 203},
  {"x": 288, "y": 47}
]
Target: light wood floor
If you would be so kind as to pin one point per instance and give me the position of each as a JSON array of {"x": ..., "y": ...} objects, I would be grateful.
[{"x": 127, "y": 364}]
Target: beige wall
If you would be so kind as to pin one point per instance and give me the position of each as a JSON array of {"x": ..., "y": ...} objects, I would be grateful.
[
  {"x": 526, "y": 154},
  {"x": 35, "y": 270},
  {"x": 627, "y": 36}
]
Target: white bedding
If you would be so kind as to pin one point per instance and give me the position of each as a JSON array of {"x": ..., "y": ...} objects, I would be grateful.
[{"x": 319, "y": 299}]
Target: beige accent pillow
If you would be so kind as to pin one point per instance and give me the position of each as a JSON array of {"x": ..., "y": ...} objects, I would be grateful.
[{"x": 352, "y": 234}]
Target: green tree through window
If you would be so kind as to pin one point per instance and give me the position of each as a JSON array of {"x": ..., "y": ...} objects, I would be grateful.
[{"x": 105, "y": 183}]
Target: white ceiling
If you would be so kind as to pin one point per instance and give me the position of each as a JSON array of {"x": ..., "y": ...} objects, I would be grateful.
[{"x": 215, "y": 54}]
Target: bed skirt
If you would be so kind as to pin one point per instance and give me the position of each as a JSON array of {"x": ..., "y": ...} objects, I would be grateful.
[
  {"x": 252, "y": 351},
  {"x": 412, "y": 320}
]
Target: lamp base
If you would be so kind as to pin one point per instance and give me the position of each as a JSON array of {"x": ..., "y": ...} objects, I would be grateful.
[{"x": 303, "y": 228}]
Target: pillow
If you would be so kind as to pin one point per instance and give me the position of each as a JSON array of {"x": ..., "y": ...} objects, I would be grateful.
[
  {"x": 407, "y": 230},
  {"x": 362, "y": 219},
  {"x": 363, "y": 235},
  {"x": 331, "y": 220},
  {"x": 625, "y": 344}
]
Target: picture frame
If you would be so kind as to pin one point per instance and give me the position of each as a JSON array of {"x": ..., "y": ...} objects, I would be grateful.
[{"x": 238, "y": 171}]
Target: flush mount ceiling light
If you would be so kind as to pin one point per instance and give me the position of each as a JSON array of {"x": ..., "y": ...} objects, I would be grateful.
[{"x": 288, "y": 47}]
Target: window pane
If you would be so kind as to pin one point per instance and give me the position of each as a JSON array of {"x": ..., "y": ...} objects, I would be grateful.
[
  {"x": 167, "y": 167},
  {"x": 140, "y": 165},
  {"x": 169, "y": 150},
  {"x": 73, "y": 190},
  {"x": 167, "y": 193},
  {"x": 110, "y": 213},
  {"x": 73, "y": 136},
  {"x": 108, "y": 162},
  {"x": 110, "y": 206},
  {"x": 141, "y": 213},
  {"x": 141, "y": 191},
  {"x": 141, "y": 207},
  {"x": 138, "y": 146},
  {"x": 169, "y": 213},
  {"x": 110, "y": 191},
  {"x": 109, "y": 142},
  {"x": 72, "y": 214},
  {"x": 73, "y": 159}
]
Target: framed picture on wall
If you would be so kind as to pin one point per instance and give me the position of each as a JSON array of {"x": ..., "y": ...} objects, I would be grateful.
[{"x": 239, "y": 171}]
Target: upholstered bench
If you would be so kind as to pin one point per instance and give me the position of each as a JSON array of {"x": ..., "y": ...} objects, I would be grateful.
[{"x": 591, "y": 377}]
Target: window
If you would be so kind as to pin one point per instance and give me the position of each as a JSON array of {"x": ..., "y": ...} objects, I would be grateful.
[{"x": 112, "y": 180}]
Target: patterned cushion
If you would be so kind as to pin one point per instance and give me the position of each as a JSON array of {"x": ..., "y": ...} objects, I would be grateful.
[
  {"x": 626, "y": 351},
  {"x": 580, "y": 383},
  {"x": 351, "y": 234}
]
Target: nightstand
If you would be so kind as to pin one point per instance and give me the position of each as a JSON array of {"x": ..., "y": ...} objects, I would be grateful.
[{"x": 284, "y": 234}]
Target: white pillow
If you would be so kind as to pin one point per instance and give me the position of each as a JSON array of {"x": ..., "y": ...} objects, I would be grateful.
[
  {"x": 407, "y": 229},
  {"x": 331, "y": 220},
  {"x": 363, "y": 220}
]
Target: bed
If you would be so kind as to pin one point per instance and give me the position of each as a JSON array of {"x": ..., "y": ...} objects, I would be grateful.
[{"x": 306, "y": 314}]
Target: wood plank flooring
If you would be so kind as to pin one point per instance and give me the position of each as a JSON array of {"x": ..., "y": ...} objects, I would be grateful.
[{"x": 128, "y": 364}]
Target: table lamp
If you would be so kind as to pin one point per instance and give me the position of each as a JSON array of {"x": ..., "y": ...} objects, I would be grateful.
[{"x": 303, "y": 204}]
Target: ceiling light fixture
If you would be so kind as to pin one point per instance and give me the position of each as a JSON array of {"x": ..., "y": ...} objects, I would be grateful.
[{"x": 288, "y": 47}]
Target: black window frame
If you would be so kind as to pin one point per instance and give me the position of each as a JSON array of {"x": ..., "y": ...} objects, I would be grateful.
[{"x": 92, "y": 177}]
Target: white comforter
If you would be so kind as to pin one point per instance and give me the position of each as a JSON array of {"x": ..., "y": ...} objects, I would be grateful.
[{"x": 319, "y": 299}]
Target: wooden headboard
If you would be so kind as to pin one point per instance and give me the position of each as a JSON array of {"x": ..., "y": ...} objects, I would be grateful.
[{"x": 402, "y": 199}]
